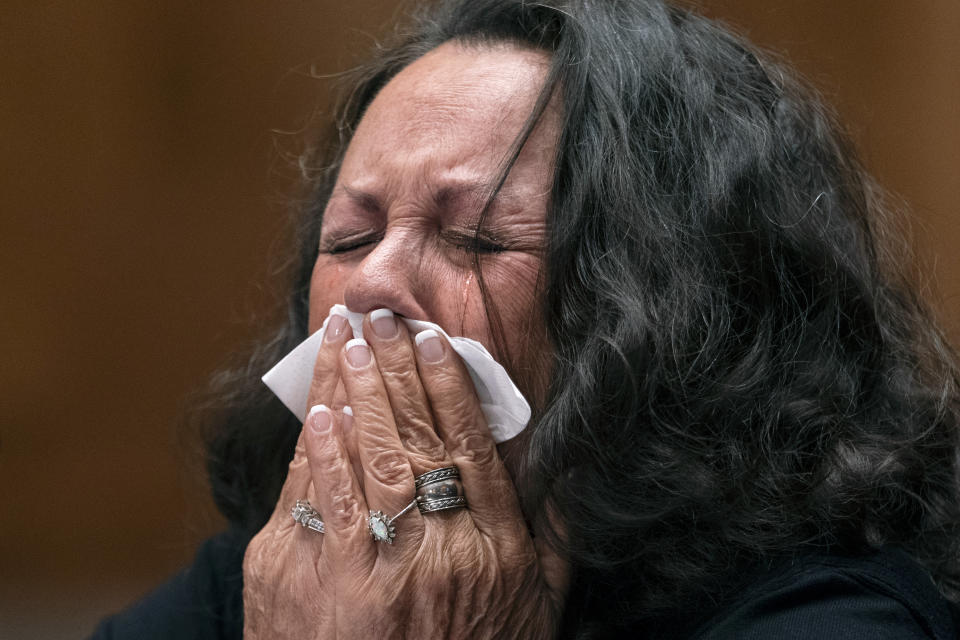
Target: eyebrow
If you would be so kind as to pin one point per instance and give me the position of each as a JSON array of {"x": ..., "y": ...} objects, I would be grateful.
[
  {"x": 444, "y": 196},
  {"x": 441, "y": 198},
  {"x": 363, "y": 199}
]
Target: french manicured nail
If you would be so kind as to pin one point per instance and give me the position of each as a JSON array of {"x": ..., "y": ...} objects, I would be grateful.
[
  {"x": 336, "y": 325},
  {"x": 346, "y": 422},
  {"x": 358, "y": 353},
  {"x": 320, "y": 418},
  {"x": 430, "y": 345},
  {"x": 383, "y": 323}
]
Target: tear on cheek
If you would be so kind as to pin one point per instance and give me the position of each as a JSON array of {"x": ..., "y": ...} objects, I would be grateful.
[{"x": 465, "y": 300}]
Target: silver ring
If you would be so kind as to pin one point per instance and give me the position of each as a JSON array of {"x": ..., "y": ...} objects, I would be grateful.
[
  {"x": 305, "y": 515},
  {"x": 440, "y": 489},
  {"x": 381, "y": 527},
  {"x": 439, "y": 504},
  {"x": 435, "y": 476}
]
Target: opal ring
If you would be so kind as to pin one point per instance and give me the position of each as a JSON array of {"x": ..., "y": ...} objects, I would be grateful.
[{"x": 381, "y": 527}]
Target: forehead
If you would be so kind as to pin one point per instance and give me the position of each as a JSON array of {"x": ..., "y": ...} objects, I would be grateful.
[
  {"x": 452, "y": 114},
  {"x": 462, "y": 83}
]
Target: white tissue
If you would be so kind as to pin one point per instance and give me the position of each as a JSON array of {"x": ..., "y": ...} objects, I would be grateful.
[{"x": 504, "y": 407}]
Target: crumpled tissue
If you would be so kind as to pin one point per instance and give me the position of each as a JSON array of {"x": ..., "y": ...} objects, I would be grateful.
[{"x": 506, "y": 410}]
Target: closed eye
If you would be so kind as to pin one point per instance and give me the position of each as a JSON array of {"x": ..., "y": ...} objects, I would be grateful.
[
  {"x": 474, "y": 243},
  {"x": 334, "y": 246}
]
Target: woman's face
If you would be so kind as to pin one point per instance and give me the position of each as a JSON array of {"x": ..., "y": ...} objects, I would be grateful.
[{"x": 398, "y": 231}]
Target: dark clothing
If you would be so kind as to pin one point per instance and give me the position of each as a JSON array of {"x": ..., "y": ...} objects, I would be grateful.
[
  {"x": 875, "y": 597},
  {"x": 881, "y": 596},
  {"x": 202, "y": 602}
]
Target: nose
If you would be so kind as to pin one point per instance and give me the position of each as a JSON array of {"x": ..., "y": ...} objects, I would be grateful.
[{"x": 389, "y": 276}]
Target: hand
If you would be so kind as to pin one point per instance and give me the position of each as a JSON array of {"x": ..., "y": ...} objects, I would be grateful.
[
  {"x": 464, "y": 573},
  {"x": 287, "y": 581}
]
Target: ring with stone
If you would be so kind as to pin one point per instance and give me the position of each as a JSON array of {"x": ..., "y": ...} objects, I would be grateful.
[
  {"x": 440, "y": 489},
  {"x": 305, "y": 515},
  {"x": 381, "y": 527}
]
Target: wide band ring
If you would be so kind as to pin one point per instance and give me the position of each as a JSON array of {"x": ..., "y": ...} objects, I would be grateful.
[
  {"x": 305, "y": 515},
  {"x": 440, "y": 489}
]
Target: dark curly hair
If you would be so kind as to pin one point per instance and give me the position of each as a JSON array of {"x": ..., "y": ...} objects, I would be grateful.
[{"x": 742, "y": 367}]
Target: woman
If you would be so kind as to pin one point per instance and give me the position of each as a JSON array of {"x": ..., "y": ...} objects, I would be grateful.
[{"x": 745, "y": 421}]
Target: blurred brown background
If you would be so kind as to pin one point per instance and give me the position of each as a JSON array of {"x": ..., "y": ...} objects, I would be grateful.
[{"x": 141, "y": 189}]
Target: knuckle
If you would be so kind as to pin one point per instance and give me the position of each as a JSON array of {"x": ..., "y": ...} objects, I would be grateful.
[
  {"x": 477, "y": 450},
  {"x": 327, "y": 363},
  {"x": 459, "y": 406},
  {"x": 430, "y": 451},
  {"x": 389, "y": 467},
  {"x": 371, "y": 412},
  {"x": 396, "y": 365},
  {"x": 299, "y": 455},
  {"x": 329, "y": 462},
  {"x": 448, "y": 379},
  {"x": 420, "y": 463},
  {"x": 345, "y": 507},
  {"x": 323, "y": 384},
  {"x": 419, "y": 438},
  {"x": 297, "y": 468}
]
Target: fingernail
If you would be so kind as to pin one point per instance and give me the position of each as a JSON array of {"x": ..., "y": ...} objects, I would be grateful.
[
  {"x": 383, "y": 323},
  {"x": 320, "y": 418},
  {"x": 336, "y": 325},
  {"x": 430, "y": 345},
  {"x": 346, "y": 422},
  {"x": 358, "y": 353}
]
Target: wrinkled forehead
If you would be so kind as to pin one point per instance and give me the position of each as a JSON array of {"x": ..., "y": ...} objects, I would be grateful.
[
  {"x": 478, "y": 82},
  {"x": 458, "y": 98}
]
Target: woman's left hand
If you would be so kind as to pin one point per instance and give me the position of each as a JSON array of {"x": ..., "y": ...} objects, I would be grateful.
[{"x": 461, "y": 573}]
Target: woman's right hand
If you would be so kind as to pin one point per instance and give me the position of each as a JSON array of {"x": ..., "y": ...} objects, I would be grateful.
[{"x": 284, "y": 572}]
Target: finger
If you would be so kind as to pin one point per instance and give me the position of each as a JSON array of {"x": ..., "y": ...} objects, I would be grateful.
[
  {"x": 295, "y": 487},
  {"x": 387, "y": 475},
  {"x": 338, "y": 497},
  {"x": 323, "y": 385},
  {"x": 326, "y": 368},
  {"x": 393, "y": 349},
  {"x": 491, "y": 496},
  {"x": 349, "y": 436}
]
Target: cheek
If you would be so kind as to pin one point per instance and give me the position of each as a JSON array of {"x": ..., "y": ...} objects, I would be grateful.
[
  {"x": 326, "y": 290},
  {"x": 517, "y": 291},
  {"x": 513, "y": 287},
  {"x": 512, "y": 284}
]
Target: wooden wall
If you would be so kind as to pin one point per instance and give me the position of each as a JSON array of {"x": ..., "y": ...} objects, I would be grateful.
[{"x": 141, "y": 190}]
